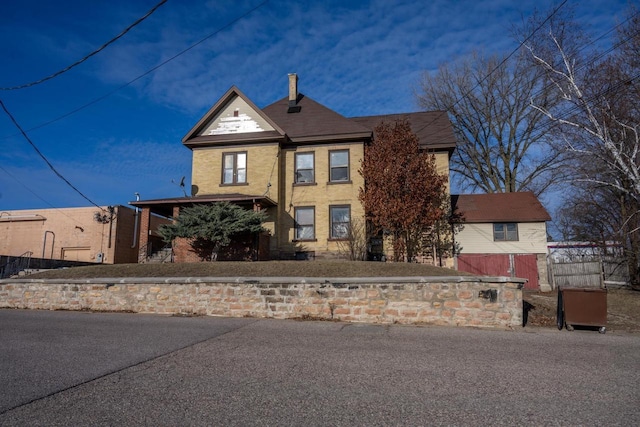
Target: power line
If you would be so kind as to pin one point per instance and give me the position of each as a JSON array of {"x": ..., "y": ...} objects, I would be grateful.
[
  {"x": 83, "y": 59},
  {"x": 541, "y": 90},
  {"x": 575, "y": 108},
  {"x": 513, "y": 52},
  {"x": 602, "y": 54},
  {"x": 24, "y": 134},
  {"x": 61, "y": 211},
  {"x": 566, "y": 114},
  {"x": 25, "y": 186},
  {"x": 544, "y": 128},
  {"x": 151, "y": 70}
]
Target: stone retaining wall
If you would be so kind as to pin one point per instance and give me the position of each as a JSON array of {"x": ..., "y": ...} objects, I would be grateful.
[{"x": 455, "y": 301}]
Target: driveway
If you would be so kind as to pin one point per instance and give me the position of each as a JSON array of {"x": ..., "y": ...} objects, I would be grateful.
[{"x": 70, "y": 368}]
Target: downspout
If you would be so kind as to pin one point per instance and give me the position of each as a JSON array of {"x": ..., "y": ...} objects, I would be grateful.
[
  {"x": 111, "y": 216},
  {"x": 44, "y": 243},
  {"x": 135, "y": 225}
]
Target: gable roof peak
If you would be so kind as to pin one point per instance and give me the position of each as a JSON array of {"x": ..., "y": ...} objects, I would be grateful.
[{"x": 233, "y": 115}]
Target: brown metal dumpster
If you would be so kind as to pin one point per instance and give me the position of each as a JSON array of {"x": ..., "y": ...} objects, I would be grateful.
[{"x": 582, "y": 307}]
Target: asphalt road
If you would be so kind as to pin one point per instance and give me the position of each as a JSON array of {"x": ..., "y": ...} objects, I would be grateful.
[{"x": 70, "y": 368}]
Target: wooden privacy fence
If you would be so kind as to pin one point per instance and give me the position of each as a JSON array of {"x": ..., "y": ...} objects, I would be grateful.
[
  {"x": 576, "y": 274},
  {"x": 616, "y": 273}
]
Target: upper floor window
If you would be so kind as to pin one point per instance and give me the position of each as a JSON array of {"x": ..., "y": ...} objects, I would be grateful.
[
  {"x": 305, "y": 223},
  {"x": 305, "y": 168},
  {"x": 234, "y": 170},
  {"x": 340, "y": 221},
  {"x": 339, "y": 165},
  {"x": 505, "y": 232}
]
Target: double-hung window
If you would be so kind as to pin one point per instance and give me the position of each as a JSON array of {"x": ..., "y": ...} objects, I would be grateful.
[
  {"x": 339, "y": 166},
  {"x": 505, "y": 232},
  {"x": 234, "y": 168},
  {"x": 340, "y": 217},
  {"x": 305, "y": 168},
  {"x": 305, "y": 223}
]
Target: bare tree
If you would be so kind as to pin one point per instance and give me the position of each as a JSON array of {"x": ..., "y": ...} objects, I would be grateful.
[
  {"x": 500, "y": 148},
  {"x": 354, "y": 246},
  {"x": 599, "y": 122}
]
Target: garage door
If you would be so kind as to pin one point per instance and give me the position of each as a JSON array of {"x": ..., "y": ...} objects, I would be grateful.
[{"x": 519, "y": 265}]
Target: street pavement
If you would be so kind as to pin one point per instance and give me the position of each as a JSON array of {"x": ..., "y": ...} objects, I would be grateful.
[{"x": 78, "y": 368}]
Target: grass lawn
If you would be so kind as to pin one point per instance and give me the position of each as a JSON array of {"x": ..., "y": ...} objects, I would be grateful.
[{"x": 251, "y": 269}]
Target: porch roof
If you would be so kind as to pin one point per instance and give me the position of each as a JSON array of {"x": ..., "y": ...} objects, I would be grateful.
[{"x": 164, "y": 207}]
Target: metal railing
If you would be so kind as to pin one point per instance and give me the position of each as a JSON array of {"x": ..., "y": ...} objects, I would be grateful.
[
  {"x": 151, "y": 253},
  {"x": 15, "y": 265}
]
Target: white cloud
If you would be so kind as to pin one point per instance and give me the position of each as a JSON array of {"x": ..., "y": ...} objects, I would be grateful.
[{"x": 356, "y": 57}]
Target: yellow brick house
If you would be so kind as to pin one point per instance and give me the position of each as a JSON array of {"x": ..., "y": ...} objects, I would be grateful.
[{"x": 296, "y": 159}]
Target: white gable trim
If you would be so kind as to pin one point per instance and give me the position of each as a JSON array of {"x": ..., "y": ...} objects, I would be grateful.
[{"x": 221, "y": 119}]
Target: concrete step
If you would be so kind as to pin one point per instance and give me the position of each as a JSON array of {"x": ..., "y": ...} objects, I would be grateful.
[{"x": 163, "y": 255}]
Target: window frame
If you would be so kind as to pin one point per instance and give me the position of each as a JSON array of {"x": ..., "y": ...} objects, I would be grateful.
[
  {"x": 348, "y": 167},
  {"x": 235, "y": 169},
  {"x": 331, "y": 222},
  {"x": 506, "y": 235},
  {"x": 296, "y": 169},
  {"x": 297, "y": 224}
]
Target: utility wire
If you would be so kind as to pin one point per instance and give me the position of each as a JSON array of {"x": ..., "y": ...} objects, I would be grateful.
[
  {"x": 163, "y": 63},
  {"x": 601, "y": 55},
  {"x": 24, "y": 134},
  {"x": 80, "y": 61},
  {"x": 17, "y": 125},
  {"x": 513, "y": 52},
  {"x": 544, "y": 128},
  {"x": 61, "y": 211},
  {"x": 541, "y": 90},
  {"x": 566, "y": 114},
  {"x": 25, "y": 186}
]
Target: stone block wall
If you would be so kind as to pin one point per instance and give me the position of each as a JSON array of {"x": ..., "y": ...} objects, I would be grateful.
[{"x": 453, "y": 301}]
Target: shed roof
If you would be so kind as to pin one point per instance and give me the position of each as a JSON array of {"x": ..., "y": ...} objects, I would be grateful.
[{"x": 500, "y": 207}]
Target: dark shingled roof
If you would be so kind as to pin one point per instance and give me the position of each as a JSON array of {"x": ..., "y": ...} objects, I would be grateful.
[
  {"x": 313, "y": 122},
  {"x": 432, "y": 128},
  {"x": 500, "y": 207}
]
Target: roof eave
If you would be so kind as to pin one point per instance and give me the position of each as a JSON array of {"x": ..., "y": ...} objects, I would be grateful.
[
  {"x": 328, "y": 138},
  {"x": 238, "y": 139}
]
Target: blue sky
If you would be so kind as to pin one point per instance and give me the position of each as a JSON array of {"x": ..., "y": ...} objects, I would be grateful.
[{"x": 355, "y": 57}]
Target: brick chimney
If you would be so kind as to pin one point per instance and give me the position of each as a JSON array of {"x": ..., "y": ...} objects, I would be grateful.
[{"x": 293, "y": 89}]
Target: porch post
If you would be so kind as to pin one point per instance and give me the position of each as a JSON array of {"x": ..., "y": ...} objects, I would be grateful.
[{"x": 143, "y": 237}]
